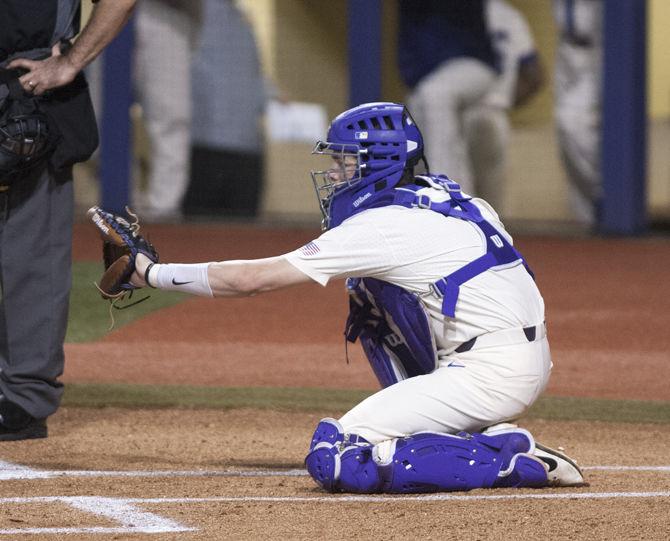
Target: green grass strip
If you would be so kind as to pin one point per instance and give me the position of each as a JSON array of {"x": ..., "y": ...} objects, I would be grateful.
[
  {"x": 184, "y": 396},
  {"x": 600, "y": 409},
  {"x": 308, "y": 399},
  {"x": 89, "y": 314}
]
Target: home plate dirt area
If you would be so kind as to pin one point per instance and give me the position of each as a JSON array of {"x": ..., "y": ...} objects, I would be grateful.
[
  {"x": 192, "y": 474},
  {"x": 238, "y": 474}
]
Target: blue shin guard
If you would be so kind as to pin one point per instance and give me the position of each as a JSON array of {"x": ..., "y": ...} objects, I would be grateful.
[{"x": 430, "y": 462}]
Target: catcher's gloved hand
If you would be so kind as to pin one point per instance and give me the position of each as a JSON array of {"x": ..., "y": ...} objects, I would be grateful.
[{"x": 121, "y": 244}]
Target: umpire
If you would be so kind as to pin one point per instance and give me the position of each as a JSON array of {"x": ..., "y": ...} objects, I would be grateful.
[{"x": 46, "y": 125}]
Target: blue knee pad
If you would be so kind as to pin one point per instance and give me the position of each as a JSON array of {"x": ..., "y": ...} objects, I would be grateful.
[
  {"x": 349, "y": 470},
  {"x": 328, "y": 430},
  {"x": 323, "y": 465},
  {"x": 337, "y": 460}
]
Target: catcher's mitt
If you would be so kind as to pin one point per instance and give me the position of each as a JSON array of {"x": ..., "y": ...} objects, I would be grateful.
[{"x": 121, "y": 244}]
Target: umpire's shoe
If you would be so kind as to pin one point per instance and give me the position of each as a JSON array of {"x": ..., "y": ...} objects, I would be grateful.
[
  {"x": 562, "y": 471},
  {"x": 17, "y": 424}
]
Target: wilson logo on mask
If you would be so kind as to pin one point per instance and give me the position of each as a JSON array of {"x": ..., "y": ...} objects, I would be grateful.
[{"x": 361, "y": 199}]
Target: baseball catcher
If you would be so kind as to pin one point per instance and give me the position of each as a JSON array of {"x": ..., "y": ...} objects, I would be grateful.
[
  {"x": 445, "y": 307},
  {"x": 121, "y": 244}
]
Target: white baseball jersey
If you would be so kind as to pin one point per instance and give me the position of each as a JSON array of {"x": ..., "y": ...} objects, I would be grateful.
[
  {"x": 513, "y": 42},
  {"x": 413, "y": 248}
]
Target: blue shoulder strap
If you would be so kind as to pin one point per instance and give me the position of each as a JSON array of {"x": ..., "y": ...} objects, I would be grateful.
[{"x": 499, "y": 251}]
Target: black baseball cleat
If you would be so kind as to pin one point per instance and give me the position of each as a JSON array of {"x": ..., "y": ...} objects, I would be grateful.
[
  {"x": 562, "y": 471},
  {"x": 17, "y": 424},
  {"x": 35, "y": 429}
]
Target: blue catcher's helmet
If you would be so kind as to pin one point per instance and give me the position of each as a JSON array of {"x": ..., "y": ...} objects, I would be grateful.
[{"x": 371, "y": 145}]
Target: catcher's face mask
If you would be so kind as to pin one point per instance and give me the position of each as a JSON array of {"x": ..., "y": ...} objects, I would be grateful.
[{"x": 344, "y": 171}]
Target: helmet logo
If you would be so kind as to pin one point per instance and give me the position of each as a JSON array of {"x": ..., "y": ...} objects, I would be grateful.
[
  {"x": 412, "y": 145},
  {"x": 360, "y": 135}
]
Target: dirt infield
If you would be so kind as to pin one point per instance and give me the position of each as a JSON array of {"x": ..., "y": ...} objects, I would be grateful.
[
  {"x": 205, "y": 474},
  {"x": 234, "y": 475}
]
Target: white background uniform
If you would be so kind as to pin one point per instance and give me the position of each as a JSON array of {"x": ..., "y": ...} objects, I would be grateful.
[
  {"x": 486, "y": 123},
  {"x": 413, "y": 248},
  {"x": 577, "y": 88},
  {"x": 513, "y": 41},
  {"x": 165, "y": 36}
]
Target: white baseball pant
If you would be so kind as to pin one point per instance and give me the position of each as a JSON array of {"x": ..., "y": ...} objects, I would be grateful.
[
  {"x": 468, "y": 391},
  {"x": 164, "y": 44}
]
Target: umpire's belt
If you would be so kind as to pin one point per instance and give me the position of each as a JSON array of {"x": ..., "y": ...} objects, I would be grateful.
[{"x": 507, "y": 337}]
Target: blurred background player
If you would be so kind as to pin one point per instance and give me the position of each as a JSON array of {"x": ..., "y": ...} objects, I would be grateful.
[
  {"x": 447, "y": 60},
  {"x": 487, "y": 123},
  {"x": 452, "y": 322},
  {"x": 166, "y": 32},
  {"x": 577, "y": 81},
  {"x": 229, "y": 97}
]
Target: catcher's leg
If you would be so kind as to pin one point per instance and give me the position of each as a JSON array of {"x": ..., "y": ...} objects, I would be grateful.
[
  {"x": 424, "y": 462},
  {"x": 468, "y": 392}
]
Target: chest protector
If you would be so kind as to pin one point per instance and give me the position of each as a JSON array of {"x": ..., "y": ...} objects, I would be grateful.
[{"x": 392, "y": 323}]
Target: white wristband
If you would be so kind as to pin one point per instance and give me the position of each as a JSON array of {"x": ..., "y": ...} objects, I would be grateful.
[{"x": 187, "y": 278}]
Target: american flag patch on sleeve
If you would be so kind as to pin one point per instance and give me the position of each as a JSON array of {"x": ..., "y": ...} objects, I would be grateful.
[{"x": 310, "y": 248}]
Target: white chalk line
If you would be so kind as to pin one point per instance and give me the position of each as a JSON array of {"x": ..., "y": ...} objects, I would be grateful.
[
  {"x": 26, "y": 474},
  {"x": 627, "y": 468},
  {"x": 121, "y": 510},
  {"x": 89, "y": 503},
  {"x": 131, "y": 519},
  {"x": 14, "y": 472},
  {"x": 125, "y": 513}
]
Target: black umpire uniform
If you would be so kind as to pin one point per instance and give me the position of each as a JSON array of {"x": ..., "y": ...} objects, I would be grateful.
[{"x": 36, "y": 215}]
